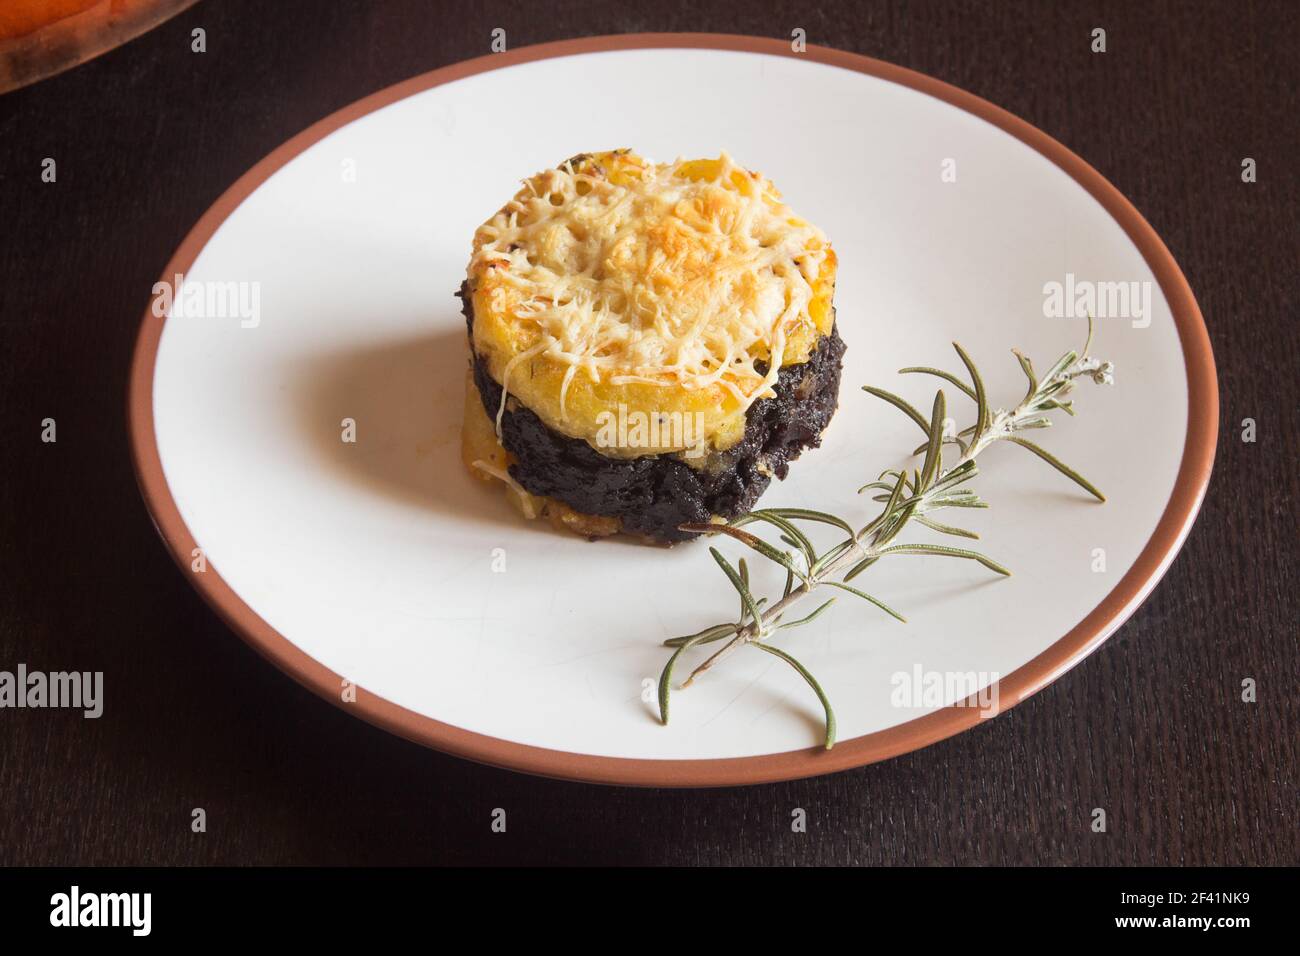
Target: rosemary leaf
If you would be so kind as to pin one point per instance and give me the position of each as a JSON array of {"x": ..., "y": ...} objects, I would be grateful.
[
  {"x": 1064, "y": 362},
  {"x": 706, "y": 636},
  {"x": 1059, "y": 465},
  {"x": 1028, "y": 368},
  {"x": 945, "y": 528},
  {"x": 744, "y": 577},
  {"x": 981, "y": 399},
  {"x": 886, "y": 485},
  {"x": 934, "y": 453},
  {"x": 666, "y": 677},
  {"x": 1061, "y": 386},
  {"x": 747, "y": 599},
  {"x": 901, "y": 404},
  {"x": 965, "y": 501},
  {"x": 806, "y": 514},
  {"x": 811, "y": 617},
  {"x": 750, "y": 540},
  {"x": 867, "y": 597},
  {"x": 891, "y": 529},
  {"x": 861, "y": 566},
  {"x": 831, "y": 555},
  {"x": 897, "y": 493},
  {"x": 946, "y": 376},
  {"x": 812, "y": 682},
  {"x": 945, "y": 551},
  {"x": 956, "y": 476},
  {"x": 792, "y": 536},
  {"x": 905, "y": 475},
  {"x": 949, "y": 440}
]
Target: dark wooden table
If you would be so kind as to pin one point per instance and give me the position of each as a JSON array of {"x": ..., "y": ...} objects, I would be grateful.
[{"x": 1151, "y": 727}]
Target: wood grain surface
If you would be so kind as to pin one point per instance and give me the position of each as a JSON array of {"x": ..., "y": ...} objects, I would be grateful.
[{"x": 1151, "y": 727}]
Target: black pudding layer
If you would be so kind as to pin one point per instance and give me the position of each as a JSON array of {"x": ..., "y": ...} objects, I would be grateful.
[{"x": 654, "y": 494}]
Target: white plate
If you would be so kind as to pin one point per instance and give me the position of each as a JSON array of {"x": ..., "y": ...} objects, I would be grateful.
[{"x": 377, "y": 562}]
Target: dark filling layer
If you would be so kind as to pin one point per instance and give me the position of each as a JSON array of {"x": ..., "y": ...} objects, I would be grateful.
[{"x": 654, "y": 494}]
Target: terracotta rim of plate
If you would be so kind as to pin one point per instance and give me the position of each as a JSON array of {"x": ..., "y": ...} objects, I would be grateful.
[{"x": 1132, "y": 589}]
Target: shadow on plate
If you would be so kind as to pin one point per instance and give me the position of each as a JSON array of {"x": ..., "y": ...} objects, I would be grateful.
[
  {"x": 404, "y": 401},
  {"x": 406, "y": 398}
]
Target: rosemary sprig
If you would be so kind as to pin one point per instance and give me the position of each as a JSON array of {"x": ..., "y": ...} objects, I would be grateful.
[{"x": 907, "y": 496}]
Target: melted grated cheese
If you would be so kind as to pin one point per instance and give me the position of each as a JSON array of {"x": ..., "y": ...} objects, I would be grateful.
[{"x": 684, "y": 274}]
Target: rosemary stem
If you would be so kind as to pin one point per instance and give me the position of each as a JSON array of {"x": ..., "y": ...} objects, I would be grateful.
[
  {"x": 991, "y": 426},
  {"x": 747, "y": 633},
  {"x": 1001, "y": 425}
]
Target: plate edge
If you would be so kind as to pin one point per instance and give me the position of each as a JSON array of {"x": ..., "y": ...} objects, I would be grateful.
[{"x": 1133, "y": 588}]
